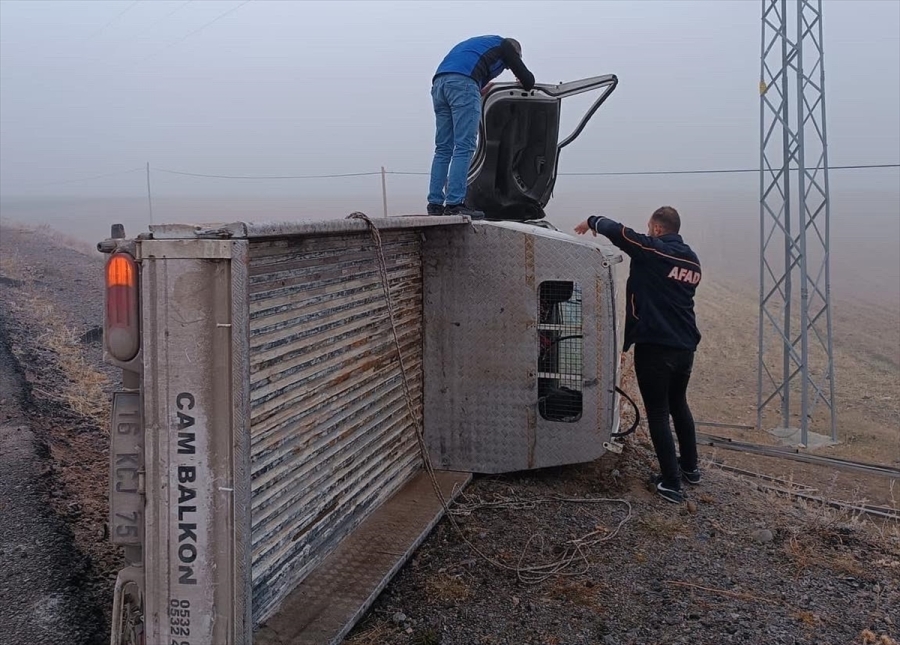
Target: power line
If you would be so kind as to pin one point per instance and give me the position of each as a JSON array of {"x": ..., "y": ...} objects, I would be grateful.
[
  {"x": 114, "y": 19},
  {"x": 677, "y": 172},
  {"x": 106, "y": 55},
  {"x": 208, "y": 176},
  {"x": 403, "y": 173},
  {"x": 197, "y": 30},
  {"x": 714, "y": 172},
  {"x": 167, "y": 16}
]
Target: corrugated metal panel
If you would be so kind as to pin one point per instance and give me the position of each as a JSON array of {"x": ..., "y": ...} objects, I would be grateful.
[{"x": 330, "y": 437}]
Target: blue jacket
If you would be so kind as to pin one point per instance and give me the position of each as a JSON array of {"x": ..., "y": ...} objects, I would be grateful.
[
  {"x": 484, "y": 58},
  {"x": 661, "y": 285}
]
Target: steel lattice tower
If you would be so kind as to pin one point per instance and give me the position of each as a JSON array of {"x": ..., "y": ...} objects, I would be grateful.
[{"x": 795, "y": 329}]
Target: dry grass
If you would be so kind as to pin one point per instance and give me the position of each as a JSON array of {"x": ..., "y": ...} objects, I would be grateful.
[
  {"x": 380, "y": 630},
  {"x": 446, "y": 588},
  {"x": 662, "y": 525},
  {"x": 14, "y": 268},
  {"x": 806, "y": 617},
  {"x": 806, "y": 552},
  {"x": 866, "y": 354},
  {"x": 868, "y": 637},
  {"x": 51, "y": 235},
  {"x": 828, "y": 538},
  {"x": 577, "y": 592},
  {"x": 375, "y": 634},
  {"x": 84, "y": 392},
  {"x": 427, "y": 637},
  {"x": 83, "y": 389}
]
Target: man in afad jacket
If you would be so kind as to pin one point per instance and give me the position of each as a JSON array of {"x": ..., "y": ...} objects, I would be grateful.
[
  {"x": 456, "y": 90},
  {"x": 660, "y": 323}
]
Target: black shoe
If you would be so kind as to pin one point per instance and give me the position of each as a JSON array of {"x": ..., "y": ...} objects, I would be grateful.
[
  {"x": 435, "y": 209},
  {"x": 692, "y": 477},
  {"x": 673, "y": 495},
  {"x": 462, "y": 209}
]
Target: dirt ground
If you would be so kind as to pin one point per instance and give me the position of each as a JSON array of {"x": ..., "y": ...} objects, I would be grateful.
[
  {"x": 739, "y": 564},
  {"x": 867, "y": 367},
  {"x": 45, "y": 583},
  {"x": 51, "y": 290}
]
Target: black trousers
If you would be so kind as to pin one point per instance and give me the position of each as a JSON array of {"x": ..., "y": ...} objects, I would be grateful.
[{"x": 663, "y": 374}]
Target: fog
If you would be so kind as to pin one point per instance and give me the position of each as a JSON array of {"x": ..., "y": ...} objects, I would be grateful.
[
  {"x": 298, "y": 88},
  {"x": 92, "y": 92}
]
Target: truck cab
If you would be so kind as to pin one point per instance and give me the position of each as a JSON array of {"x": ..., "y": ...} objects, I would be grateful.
[{"x": 513, "y": 171}]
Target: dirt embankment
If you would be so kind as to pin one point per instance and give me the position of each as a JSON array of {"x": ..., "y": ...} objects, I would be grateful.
[
  {"x": 55, "y": 442},
  {"x": 45, "y": 593}
]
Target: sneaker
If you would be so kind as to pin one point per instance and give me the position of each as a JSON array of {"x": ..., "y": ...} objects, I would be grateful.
[
  {"x": 692, "y": 477},
  {"x": 462, "y": 209},
  {"x": 673, "y": 495},
  {"x": 435, "y": 209}
]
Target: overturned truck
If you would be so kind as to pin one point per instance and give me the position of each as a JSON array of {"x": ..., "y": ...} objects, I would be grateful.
[{"x": 285, "y": 386}]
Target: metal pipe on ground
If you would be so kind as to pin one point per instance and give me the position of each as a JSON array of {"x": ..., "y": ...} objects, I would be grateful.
[{"x": 796, "y": 455}]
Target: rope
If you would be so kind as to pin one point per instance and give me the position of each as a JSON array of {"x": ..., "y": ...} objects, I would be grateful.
[{"x": 576, "y": 549}]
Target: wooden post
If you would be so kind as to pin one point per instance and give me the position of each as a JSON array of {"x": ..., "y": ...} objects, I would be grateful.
[
  {"x": 149, "y": 198},
  {"x": 384, "y": 190}
]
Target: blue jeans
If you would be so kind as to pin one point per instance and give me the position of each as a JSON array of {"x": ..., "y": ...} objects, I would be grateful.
[{"x": 457, "y": 112}]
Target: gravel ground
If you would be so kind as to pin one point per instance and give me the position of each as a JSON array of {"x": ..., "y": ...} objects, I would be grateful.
[{"x": 736, "y": 565}]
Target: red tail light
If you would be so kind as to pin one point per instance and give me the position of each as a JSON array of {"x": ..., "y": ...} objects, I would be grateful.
[{"x": 122, "y": 332}]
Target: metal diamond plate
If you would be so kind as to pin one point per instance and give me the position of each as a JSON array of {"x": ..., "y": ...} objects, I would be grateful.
[
  {"x": 481, "y": 347},
  {"x": 334, "y": 596}
]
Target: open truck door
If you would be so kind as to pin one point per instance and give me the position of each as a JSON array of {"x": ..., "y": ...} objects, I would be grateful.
[{"x": 514, "y": 168}]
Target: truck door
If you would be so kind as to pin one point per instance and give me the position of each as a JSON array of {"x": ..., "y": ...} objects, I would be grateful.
[{"x": 514, "y": 168}]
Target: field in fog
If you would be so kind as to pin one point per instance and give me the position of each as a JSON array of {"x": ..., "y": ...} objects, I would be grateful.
[
  {"x": 720, "y": 220},
  {"x": 722, "y": 225}
]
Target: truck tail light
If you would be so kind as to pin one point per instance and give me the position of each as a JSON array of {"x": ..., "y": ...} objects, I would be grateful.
[{"x": 122, "y": 332}]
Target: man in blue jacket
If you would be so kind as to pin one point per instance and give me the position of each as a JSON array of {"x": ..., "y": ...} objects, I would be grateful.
[
  {"x": 456, "y": 90},
  {"x": 660, "y": 323}
]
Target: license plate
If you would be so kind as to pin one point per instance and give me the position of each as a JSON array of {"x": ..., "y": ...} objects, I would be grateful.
[{"x": 126, "y": 467}]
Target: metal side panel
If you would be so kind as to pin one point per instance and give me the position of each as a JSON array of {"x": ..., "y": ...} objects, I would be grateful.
[
  {"x": 331, "y": 438},
  {"x": 482, "y": 347},
  {"x": 193, "y": 580},
  {"x": 283, "y": 230}
]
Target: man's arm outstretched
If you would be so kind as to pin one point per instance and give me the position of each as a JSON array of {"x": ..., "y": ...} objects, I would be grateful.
[{"x": 628, "y": 240}]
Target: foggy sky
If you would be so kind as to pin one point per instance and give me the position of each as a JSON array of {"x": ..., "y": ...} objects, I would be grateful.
[{"x": 279, "y": 87}]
